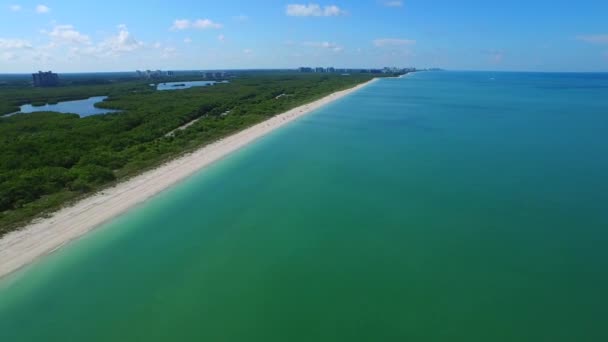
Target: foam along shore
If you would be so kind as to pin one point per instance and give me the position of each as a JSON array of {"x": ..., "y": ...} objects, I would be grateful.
[{"x": 46, "y": 235}]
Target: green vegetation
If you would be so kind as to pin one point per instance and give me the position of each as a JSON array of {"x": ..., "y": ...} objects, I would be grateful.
[
  {"x": 49, "y": 159},
  {"x": 11, "y": 97}
]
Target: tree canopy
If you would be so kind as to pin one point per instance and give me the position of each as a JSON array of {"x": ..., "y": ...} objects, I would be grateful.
[{"x": 50, "y": 158}]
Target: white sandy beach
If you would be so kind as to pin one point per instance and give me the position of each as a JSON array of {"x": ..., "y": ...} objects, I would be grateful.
[{"x": 44, "y": 236}]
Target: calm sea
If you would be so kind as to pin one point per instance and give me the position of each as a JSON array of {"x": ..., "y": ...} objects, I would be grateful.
[{"x": 444, "y": 206}]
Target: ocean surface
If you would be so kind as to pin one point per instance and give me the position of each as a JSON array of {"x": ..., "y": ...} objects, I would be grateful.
[
  {"x": 443, "y": 206},
  {"x": 83, "y": 108}
]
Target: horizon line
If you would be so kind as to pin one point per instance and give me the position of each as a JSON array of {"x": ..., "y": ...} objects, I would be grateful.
[{"x": 296, "y": 69}]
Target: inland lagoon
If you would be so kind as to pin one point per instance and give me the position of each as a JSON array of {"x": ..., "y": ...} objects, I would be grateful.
[
  {"x": 83, "y": 108},
  {"x": 443, "y": 206},
  {"x": 184, "y": 85}
]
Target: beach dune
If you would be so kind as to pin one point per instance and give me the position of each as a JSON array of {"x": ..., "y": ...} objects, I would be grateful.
[{"x": 46, "y": 235}]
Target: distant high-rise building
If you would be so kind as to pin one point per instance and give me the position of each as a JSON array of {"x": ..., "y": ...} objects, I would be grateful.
[
  {"x": 149, "y": 74},
  {"x": 45, "y": 79}
]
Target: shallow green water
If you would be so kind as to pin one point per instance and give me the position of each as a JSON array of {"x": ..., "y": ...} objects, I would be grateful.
[{"x": 438, "y": 207}]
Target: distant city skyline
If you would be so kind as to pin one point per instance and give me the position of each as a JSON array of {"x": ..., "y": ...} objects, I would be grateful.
[{"x": 69, "y": 36}]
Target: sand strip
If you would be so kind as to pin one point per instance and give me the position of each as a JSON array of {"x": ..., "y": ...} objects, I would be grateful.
[{"x": 46, "y": 235}]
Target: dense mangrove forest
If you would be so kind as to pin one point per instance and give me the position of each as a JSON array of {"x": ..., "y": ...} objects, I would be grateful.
[{"x": 49, "y": 159}]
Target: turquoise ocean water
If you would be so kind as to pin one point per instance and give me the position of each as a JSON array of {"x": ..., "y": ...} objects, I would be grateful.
[{"x": 444, "y": 206}]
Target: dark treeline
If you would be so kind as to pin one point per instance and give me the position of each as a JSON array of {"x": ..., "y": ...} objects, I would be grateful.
[
  {"x": 17, "y": 90},
  {"x": 13, "y": 96},
  {"x": 50, "y": 158}
]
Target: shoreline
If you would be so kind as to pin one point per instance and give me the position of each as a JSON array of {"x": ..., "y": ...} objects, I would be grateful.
[{"x": 44, "y": 236}]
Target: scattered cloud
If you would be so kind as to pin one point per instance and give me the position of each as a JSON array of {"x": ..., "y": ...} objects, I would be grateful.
[
  {"x": 122, "y": 42},
  {"x": 168, "y": 52},
  {"x": 248, "y": 51},
  {"x": 393, "y": 3},
  {"x": 67, "y": 35},
  {"x": 15, "y": 8},
  {"x": 332, "y": 11},
  {"x": 496, "y": 56},
  {"x": 594, "y": 38},
  {"x": 157, "y": 45},
  {"x": 325, "y": 45},
  {"x": 11, "y": 49},
  {"x": 66, "y": 43},
  {"x": 241, "y": 18},
  {"x": 8, "y": 56},
  {"x": 9, "y": 44},
  {"x": 188, "y": 40},
  {"x": 392, "y": 42},
  {"x": 202, "y": 24},
  {"x": 180, "y": 24},
  {"x": 221, "y": 38},
  {"x": 206, "y": 24},
  {"x": 313, "y": 10},
  {"x": 41, "y": 9}
]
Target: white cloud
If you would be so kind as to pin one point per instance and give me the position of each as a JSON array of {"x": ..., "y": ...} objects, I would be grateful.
[
  {"x": 313, "y": 10},
  {"x": 42, "y": 56},
  {"x": 221, "y": 38},
  {"x": 180, "y": 24},
  {"x": 206, "y": 24},
  {"x": 6, "y": 44},
  {"x": 495, "y": 56},
  {"x": 594, "y": 38},
  {"x": 248, "y": 51},
  {"x": 120, "y": 43},
  {"x": 66, "y": 39},
  {"x": 15, "y": 8},
  {"x": 168, "y": 52},
  {"x": 112, "y": 46},
  {"x": 188, "y": 40},
  {"x": 393, "y": 3},
  {"x": 67, "y": 34},
  {"x": 388, "y": 42},
  {"x": 332, "y": 10},
  {"x": 183, "y": 24},
  {"x": 41, "y": 9},
  {"x": 8, "y": 56},
  {"x": 241, "y": 18},
  {"x": 325, "y": 45}
]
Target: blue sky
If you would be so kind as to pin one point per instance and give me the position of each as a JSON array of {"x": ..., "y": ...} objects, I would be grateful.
[{"x": 73, "y": 36}]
